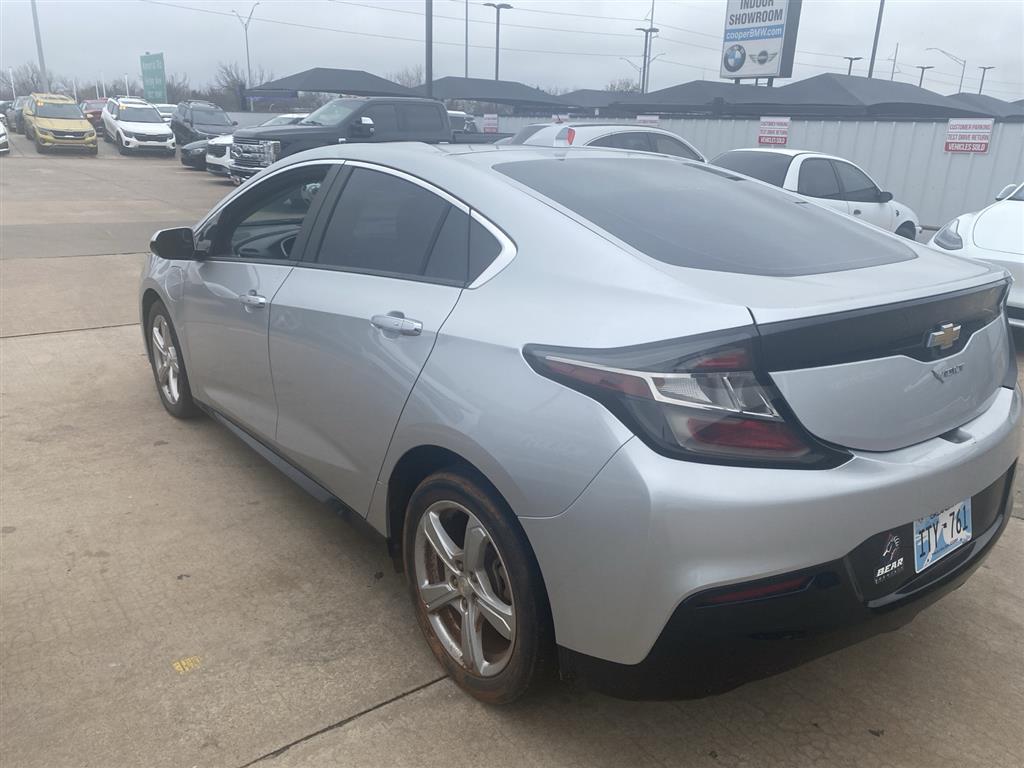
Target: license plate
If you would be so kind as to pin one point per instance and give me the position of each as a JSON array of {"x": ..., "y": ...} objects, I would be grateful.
[{"x": 940, "y": 533}]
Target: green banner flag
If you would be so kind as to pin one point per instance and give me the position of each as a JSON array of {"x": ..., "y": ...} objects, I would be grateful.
[{"x": 154, "y": 81}]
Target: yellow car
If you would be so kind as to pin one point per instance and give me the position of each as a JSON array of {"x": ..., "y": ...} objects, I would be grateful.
[{"x": 56, "y": 121}]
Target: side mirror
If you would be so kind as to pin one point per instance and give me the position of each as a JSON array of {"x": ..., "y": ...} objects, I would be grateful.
[
  {"x": 1006, "y": 191},
  {"x": 234, "y": 122},
  {"x": 884, "y": 197},
  {"x": 177, "y": 244},
  {"x": 362, "y": 128}
]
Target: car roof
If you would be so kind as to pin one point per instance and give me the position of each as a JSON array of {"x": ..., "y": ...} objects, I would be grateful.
[
  {"x": 52, "y": 98},
  {"x": 787, "y": 152}
]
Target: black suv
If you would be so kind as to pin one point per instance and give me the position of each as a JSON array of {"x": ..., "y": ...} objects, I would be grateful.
[
  {"x": 343, "y": 120},
  {"x": 196, "y": 120}
]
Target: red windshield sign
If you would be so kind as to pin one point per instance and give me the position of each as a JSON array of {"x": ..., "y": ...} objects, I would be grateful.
[{"x": 968, "y": 134}]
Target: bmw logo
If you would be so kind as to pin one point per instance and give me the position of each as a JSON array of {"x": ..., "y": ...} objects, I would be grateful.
[{"x": 735, "y": 56}]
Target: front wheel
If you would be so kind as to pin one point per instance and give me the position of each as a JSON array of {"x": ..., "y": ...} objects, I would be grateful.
[
  {"x": 167, "y": 364},
  {"x": 476, "y": 588}
]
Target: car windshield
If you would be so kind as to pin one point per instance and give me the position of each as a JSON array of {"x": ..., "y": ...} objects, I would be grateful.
[
  {"x": 282, "y": 120},
  {"x": 770, "y": 167},
  {"x": 140, "y": 115},
  {"x": 94, "y": 104},
  {"x": 1018, "y": 195},
  {"x": 60, "y": 111},
  {"x": 207, "y": 116},
  {"x": 332, "y": 113}
]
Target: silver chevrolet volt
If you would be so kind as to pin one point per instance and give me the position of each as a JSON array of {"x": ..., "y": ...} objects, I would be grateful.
[{"x": 622, "y": 417}]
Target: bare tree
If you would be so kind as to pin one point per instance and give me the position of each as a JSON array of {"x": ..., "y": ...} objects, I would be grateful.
[
  {"x": 27, "y": 79},
  {"x": 623, "y": 85},
  {"x": 408, "y": 77},
  {"x": 178, "y": 88}
]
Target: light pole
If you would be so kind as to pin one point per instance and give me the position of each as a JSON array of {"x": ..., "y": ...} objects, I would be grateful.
[
  {"x": 958, "y": 60},
  {"x": 874, "y": 44},
  {"x": 920, "y": 82},
  {"x": 851, "y": 59},
  {"x": 429, "y": 46},
  {"x": 245, "y": 29},
  {"x": 127, "y": 92},
  {"x": 466, "y": 55},
  {"x": 39, "y": 48},
  {"x": 983, "y": 71},
  {"x": 498, "y": 8}
]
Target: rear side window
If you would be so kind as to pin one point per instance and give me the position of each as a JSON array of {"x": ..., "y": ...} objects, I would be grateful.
[
  {"x": 448, "y": 258},
  {"x": 421, "y": 118},
  {"x": 638, "y": 141},
  {"x": 817, "y": 179},
  {"x": 385, "y": 119},
  {"x": 857, "y": 187},
  {"x": 483, "y": 249},
  {"x": 769, "y": 167},
  {"x": 383, "y": 224},
  {"x": 666, "y": 145},
  {"x": 690, "y": 215}
]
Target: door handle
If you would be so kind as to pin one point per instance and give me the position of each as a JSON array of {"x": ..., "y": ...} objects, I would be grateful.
[
  {"x": 397, "y": 323},
  {"x": 252, "y": 300}
]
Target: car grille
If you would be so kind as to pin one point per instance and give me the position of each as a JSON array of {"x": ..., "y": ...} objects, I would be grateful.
[
  {"x": 68, "y": 134},
  {"x": 216, "y": 150},
  {"x": 151, "y": 137},
  {"x": 249, "y": 153}
]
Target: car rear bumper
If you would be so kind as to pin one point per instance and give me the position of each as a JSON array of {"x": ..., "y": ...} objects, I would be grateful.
[{"x": 629, "y": 562}]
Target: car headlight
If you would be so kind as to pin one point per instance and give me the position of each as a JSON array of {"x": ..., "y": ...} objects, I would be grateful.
[
  {"x": 949, "y": 236},
  {"x": 43, "y": 131},
  {"x": 127, "y": 134},
  {"x": 90, "y": 134}
]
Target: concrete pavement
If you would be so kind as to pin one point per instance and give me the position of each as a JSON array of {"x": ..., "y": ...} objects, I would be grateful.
[{"x": 168, "y": 599}]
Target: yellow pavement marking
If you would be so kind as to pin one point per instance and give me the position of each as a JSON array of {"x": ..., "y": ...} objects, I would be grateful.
[{"x": 186, "y": 665}]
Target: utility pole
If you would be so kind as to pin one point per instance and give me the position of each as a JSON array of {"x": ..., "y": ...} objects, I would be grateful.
[
  {"x": 245, "y": 30},
  {"x": 892, "y": 75},
  {"x": 467, "y": 39},
  {"x": 958, "y": 60},
  {"x": 39, "y": 48},
  {"x": 851, "y": 59},
  {"x": 983, "y": 71},
  {"x": 10, "y": 74},
  {"x": 498, "y": 8},
  {"x": 649, "y": 31},
  {"x": 874, "y": 45},
  {"x": 127, "y": 92},
  {"x": 429, "y": 37},
  {"x": 920, "y": 82}
]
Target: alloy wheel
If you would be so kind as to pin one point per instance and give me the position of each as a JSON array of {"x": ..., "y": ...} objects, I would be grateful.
[
  {"x": 464, "y": 587},
  {"x": 165, "y": 360}
]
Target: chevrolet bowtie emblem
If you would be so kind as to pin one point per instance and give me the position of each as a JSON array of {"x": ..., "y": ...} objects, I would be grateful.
[{"x": 944, "y": 337}]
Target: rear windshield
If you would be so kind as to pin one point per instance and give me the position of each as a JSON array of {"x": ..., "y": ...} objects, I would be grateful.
[
  {"x": 766, "y": 166},
  {"x": 689, "y": 215},
  {"x": 69, "y": 111},
  {"x": 525, "y": 133}
]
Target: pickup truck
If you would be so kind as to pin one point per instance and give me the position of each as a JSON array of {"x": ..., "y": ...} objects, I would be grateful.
[{"x": 344, "y": 120}]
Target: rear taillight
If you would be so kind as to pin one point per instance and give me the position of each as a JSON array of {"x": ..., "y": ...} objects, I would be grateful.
[
  {"x": 570, "y": 136},
  {"x": 701, "y": 398}
]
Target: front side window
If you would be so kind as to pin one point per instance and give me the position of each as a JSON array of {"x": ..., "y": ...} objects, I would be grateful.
[
  {"x": 856, "y": 185},
  {"x": 669, "y": 146},
  {"x": 385, "y": 119},
  {"x": 420, "y": 118},
  {"x": 817, "y": 179},
  {"x": 637, "y": 141},
  {"x": 385, "y": 225},
  {"x": 263, "y": 224}
]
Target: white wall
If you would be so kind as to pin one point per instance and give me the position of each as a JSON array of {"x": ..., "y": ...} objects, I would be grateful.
[{"x": 905, "y": 158}]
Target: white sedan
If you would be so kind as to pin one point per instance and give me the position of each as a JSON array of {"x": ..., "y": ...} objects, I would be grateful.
[
  {"x": 636, "y": 138},
  {"x": 996, "y": 235},
  {"x": 831, "y": 181}
]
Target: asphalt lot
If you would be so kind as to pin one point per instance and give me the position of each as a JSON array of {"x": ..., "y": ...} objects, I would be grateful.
[{"x": 168, "y": 599}]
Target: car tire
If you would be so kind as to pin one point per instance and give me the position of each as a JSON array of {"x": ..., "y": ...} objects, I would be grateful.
[
  {"x": 907, "y": 230},
  {"x": 121, "y": 148},
  {"x": 167, "y": 363},
  {"x": 39, "y": 147},
  {"x": 503, "y": 582}
]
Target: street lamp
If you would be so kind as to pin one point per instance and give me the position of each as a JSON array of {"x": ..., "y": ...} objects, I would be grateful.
[
  {"x": 920, "y": 82},
  {"x": 983, "y": 71},
  {"x": 498, "y": 8},
  {"x": 851, "y": 59},
  {"x": 958, "y": 60},
  {"x": 245, "y": 30}
]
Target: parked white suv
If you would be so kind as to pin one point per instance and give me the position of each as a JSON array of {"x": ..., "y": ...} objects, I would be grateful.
[
  {"x": 134, "y": 124},
  {"x": 831, "y": 181},
  {"x": 638, "y": 138}
]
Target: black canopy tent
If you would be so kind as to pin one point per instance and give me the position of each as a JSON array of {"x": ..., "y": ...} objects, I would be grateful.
[
  {"x": 698, "y": 97},
  {"x": 990, "y": 105},
  {"x": 493, "y": 92},
  {"x": 353, "y": 82},
  {"x": 590, "y": 98}
]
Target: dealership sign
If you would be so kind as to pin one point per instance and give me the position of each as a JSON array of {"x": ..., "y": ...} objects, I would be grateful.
[
  {"x": 760, "y": 38},
  {"x": 154, "y": 81},
  {"x": 968, "y": 134},
  {"x": 773, "y": 131},
  {"x": 490, "y": 124}
]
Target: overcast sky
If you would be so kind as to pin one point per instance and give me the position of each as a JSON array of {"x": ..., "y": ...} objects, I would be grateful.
[{"x": 548, "y": 43}]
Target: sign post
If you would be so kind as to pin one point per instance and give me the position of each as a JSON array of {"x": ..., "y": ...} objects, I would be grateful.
[
  {"x": 154, "y": 79},
  {"x": 759, "y": 39},
  {"x": 968, "y": 134}
]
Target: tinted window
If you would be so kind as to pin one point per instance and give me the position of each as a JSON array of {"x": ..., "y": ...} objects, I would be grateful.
[
  {"x": 855, "y": 183},
  {"x": 525, "y": 133},
  {"x": 208, "y": 116},
  {"x": 635, "y": 140},
  {"x": 817, "y": 179},
  {"x": 692, "y": 215},
  {"x": 141, "y": 115},
  {"x": 421, "y": 118},
  {"x": 769, "y": 167},
  {"x": 382, "y": 224},
  {"x": 483, "y": 249},
  {"x": 385, "y": 119},
  {"x": 669, "y": 146},
  {"x": 448, "y": 258},
  {"x": 264, "y": 223},
  {"x": 60, "y": 111}
]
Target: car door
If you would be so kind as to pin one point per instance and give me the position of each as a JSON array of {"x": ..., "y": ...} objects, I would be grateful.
[
  {"x": 862, "y": 195},
  {"x": 816, "y": 178},
  {"x": 351, "y": 329},
  {"x": 385, "y": 122},
  {"x": 251, "y": 245}
]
